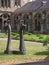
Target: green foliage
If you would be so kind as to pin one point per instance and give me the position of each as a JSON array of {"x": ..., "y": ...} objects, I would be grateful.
[
  {"x": 28, "y": 33},
  {"x": 46, "y": 40},
  {"x": 28, "y": 37},
  {"x": 15, "y": 35},
  {"x": 3, "y": 35}
]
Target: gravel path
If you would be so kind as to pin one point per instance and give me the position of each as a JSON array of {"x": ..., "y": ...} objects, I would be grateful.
[{"x": 27, "y": 42}]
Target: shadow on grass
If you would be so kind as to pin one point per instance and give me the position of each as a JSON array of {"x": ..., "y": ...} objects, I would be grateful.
[
  {"x": 42, "y": 53},
  {"x": 43, "y": 62},
  {"x": 2, "y": 53},
  {"x": 34, "y": 63}
]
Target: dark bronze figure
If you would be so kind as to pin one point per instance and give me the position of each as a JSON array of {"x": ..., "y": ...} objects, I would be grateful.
[
  {"x": 22, "y": 44},
  {"x": 8, "y": 30}
]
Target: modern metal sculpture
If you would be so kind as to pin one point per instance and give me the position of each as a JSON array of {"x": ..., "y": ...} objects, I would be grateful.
[
  {"x": 22, "y": 44},
  {"x": 8, "y": 30},
  {"x": 22, "y": 49}
]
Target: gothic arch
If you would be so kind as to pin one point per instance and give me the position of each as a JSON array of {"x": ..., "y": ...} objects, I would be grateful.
[
  {"x": 47, "y": 22},
  {"x": 37, "y": 21}
]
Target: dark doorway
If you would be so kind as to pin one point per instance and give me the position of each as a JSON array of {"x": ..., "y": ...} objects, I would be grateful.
[
  {"x": 0, "y": 24},
  {"x": 37, "y": 26},
  {"x": 37, "y": 22}
]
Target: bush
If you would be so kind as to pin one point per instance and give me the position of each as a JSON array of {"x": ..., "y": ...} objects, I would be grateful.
[
  {"x": 29, "y": 37},
  {"x": 28, "y": 33},
  {"x": 46, "y": 40},
  {"x": 15, "y": 35}
]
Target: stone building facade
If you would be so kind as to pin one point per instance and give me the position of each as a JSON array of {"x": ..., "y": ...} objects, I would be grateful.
[
  {"x": 36, "y": 17},
  {"x": 7, "y": 7},
  {"x": 34, "y": 14}
]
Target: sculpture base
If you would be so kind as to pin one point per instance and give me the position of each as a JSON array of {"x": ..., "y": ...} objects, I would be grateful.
[{"x": 15, "y": 52}]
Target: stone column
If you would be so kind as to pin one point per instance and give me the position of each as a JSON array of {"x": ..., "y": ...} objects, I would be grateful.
[
  {"x": 33, "y": 21},
  {"x": 44, "y": 21},
  {"x": 4, "y": 3},
  {"x": 2, "y": 25},
  {"x": 28, "y": 28},
  {"x": 41, "y": 27},
  {"x": 7, "y": 3},
  {"x": 18, "y": 28},
  {"x": 12, "y": 3}
]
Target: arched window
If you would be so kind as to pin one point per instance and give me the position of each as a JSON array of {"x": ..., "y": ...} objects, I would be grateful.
[
  {"x": 5, "y": 3},
  {"x": 37, "y": 20},
  {"x": 17, "y": 17},
  {"x": 8, "y": 3},
  {"x": 27, "y": 16},
  {"x": 2, "y": 3},
  {"x": 17, "y": 2}
]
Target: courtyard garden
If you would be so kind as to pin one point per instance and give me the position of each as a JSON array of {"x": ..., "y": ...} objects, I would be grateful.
[
  {"x": 27, "y": 36},
  {"x": 33, "y": 53}
]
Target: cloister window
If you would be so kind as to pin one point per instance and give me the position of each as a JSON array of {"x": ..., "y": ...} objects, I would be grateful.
[
  {"x": 2, "y": 3},
  {"x": 5, "y": 3},
  {"x": 27, "y": 16},
  {"x": 17, "y": 2},
  {"x": 17, "y": 17},
  {"x": 37, "y": 22},
  {"x": 8, "y": 3}
]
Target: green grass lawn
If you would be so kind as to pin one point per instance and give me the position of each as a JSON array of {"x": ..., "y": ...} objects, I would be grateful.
[
  {"x": 27, "y": 36},
  {"x": 32, "y": 52}
]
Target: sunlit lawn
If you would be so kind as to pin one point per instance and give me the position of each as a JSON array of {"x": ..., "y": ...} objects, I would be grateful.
[{"x": 32, "y": 52}]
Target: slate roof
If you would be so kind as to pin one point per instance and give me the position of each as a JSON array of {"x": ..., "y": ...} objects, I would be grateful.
[
  {"x": 45, "y": 7},
  {"x": 31, "y": 6}
]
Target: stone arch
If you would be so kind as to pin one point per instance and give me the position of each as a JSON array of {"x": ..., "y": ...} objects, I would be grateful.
[
  {"x": 27, "y": 21},
  {"x": 37, "y": 21},
  {"x": 16, "y": 23},
  {"x": 48, "y": 22},
  {"x": 0, "y": 24},
  {"x": 3, "y": 18}
]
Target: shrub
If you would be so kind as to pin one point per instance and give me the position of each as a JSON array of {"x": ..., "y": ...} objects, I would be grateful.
[
  {"x": 40, "y": 37},
  {"x": 28, "y": 33},
  {"x": 15, "y": 35},
  {"x": 46, "y": 40}
]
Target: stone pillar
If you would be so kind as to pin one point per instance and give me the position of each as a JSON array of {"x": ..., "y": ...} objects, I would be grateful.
[
  {"x": 2, "y": 25},
  {"x": 12, "y": 23},
  {"x": 12, "y": 3},
  {"x": 44, "y": 21},
  {"x": 7, "y": 3},
  {"x": 41, "y": 27},
  {"x": 28, "y": 27},
  {"x": 4, "y": 3},
  {"x": 18, "y": 28},
  {"x": 33, "y": 21}
]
